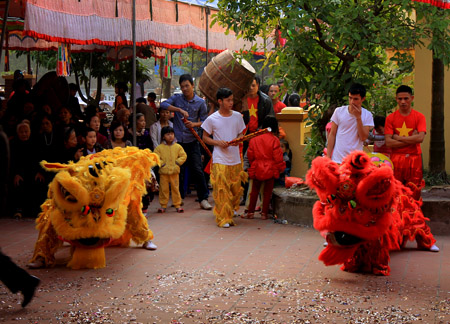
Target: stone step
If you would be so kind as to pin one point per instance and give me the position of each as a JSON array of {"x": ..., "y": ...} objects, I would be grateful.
[{"x": 295, "y": 207}]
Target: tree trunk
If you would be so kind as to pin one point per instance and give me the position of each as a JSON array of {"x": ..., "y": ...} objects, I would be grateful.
[
  {"x": 437, "y": 141},
  {"x": 98, "y": 97},
  {"x": 77, "y": 80},
  {"x": 166, "y": 84},
  {"x": 141, "y": 89}
]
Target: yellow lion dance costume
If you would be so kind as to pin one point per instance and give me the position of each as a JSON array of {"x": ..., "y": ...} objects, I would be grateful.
[{"x": 94, "y": 203}]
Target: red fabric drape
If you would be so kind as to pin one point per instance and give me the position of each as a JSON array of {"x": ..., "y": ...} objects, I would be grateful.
[{"x": 445, "y": 4}]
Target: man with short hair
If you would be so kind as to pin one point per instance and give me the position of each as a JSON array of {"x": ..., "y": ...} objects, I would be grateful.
[
  {"x": 404, "y": 130},
  {"x": 147, "y": 111},
  {"x": 256, "y": 106},
  {"x": 73, "y": 103},
  {"x": 349, "y": 125},
  {"x": 219, "y": 128},
  {"x": 151, "y": 97},
  {"x": 274, "y": 94},
  {"x": 189, "y": 112},
  {"x": 284, "y": 97}
]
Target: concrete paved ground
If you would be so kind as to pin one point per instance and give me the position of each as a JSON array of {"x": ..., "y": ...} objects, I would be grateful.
[{"x": 255, "y": 272}]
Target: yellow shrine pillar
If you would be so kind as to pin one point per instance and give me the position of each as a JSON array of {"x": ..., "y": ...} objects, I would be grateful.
[{"x": 292, "y": 120}]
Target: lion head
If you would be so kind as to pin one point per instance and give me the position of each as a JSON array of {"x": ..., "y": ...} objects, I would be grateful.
[
  {"x": 86, "y": 197},
  {"x": 355, "y": 203}
]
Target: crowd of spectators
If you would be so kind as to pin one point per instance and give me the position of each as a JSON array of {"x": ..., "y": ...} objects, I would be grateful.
[{"x": 37, "y": 130}]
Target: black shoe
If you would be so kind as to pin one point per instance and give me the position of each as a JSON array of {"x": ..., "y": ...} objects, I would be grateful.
[{"x": 28, "y": 291}]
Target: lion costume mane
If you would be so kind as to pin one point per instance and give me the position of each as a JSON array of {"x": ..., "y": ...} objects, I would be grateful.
[
  {"x": 94, "y": 203},
  {"x": 364, "y": 212}
]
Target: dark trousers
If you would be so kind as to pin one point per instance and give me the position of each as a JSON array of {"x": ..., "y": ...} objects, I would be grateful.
[
  {"x": 13, "y": 276},
  {"x": 244, "y": 184},
  {"x": 195, "y": 165},
  {"x": 21, "y": 198}
]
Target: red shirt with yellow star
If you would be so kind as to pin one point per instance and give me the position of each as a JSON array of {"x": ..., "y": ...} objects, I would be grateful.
[
  {"x": 253, "y": 112},
  {"x": 278, "y": 107},
  {"x": 401, "y": 125}
]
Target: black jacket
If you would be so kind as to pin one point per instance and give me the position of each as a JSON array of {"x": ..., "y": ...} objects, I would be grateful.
[{"x": 265, "y": 108}]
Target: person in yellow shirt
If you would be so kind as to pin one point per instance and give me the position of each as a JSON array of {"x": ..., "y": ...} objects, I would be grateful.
[{"x": 172, "y": 156}]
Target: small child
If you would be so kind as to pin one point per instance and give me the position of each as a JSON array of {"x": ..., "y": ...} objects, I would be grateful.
[
  {"x": 227, "y": 171},
  {"x": 172, "y": 156},
  {"x": 377, "y": 136},
  {"x": 90, "y": 142},
  {"x": 93, "y": 121},
  {"x": 287, "y": 158},
  {"x": 23, "y": 175},
  {"x": 266, "y": 163},
  {"x": 143, "y": 139}
]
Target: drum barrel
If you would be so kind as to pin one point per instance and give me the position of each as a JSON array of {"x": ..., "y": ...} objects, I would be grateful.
[{"x": 224, "y": 71}]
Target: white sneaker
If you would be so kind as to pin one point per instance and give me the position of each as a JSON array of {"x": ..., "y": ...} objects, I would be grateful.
[
  {"x": 434, "y": 248},
  {"x": 226, "y": 225},
  {"x": 204, "y": 204},
  {"x": 37, "y": 264},
  {"x": 149, "y": 245}
]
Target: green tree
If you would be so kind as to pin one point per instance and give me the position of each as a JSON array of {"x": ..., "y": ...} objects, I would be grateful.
[
  {"x": 328, "y": 46},
  {"x": 86, "y": 66},
  {"x": 192, "y": 61},
  {"x": 331, "y": 45}
]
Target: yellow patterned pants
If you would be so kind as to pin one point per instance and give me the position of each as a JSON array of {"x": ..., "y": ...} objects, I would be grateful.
[
  {"x": 164, "y": 181},
  {"x": 227, "y": 191}
]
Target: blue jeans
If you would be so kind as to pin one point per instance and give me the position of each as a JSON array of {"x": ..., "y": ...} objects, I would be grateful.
[{"x": 195, "y": 165}]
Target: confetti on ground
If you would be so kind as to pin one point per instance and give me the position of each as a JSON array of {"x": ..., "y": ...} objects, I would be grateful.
[
  {"x": 257, "y": 272},
  {"x": 217, "y": 297}
]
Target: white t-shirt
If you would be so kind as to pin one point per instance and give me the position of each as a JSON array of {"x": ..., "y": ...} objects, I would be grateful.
[
  {"x": 225, "y": 129},
  {"x": 347, "y": 139}
]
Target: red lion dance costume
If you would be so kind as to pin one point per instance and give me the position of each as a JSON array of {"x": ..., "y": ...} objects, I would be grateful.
[{"x": 364, "y": 213}]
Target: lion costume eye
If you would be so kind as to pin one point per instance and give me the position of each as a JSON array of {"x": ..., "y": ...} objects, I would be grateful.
[
  {"x": 85, "y": 210},
  {"x": 110, "y": 212},
  {"x": 67, "y": 195}
]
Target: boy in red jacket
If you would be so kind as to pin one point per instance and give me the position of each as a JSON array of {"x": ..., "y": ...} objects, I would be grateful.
[{"x": 266, "y": 163}]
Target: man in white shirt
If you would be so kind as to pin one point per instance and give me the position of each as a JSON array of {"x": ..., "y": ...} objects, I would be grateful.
[
  {"x": 349, "y": 125},
  {"x": 227, "y": 173}
]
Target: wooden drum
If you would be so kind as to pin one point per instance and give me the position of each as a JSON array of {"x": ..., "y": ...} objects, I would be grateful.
[{"x": 224, "y": 71}]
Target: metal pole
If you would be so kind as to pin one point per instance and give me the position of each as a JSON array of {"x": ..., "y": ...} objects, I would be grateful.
[
  {"x": 29, "y": 63},
  {"x": 263, "y": 70},
  {"x": 90, "y": 74},
  {"x": 5, "y": 18},
  {"x": 133, "y": 95},
  {"x": 37, "y": 67},
  {"x": 207, "y": 12},
  {"x": 192, "y": 61}
]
